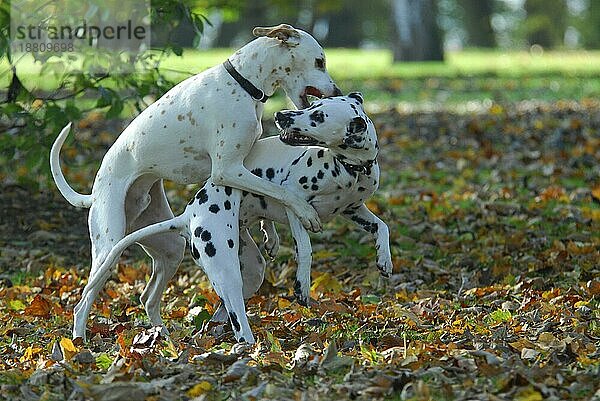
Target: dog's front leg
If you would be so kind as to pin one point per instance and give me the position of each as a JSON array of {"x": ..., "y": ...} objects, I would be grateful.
[
  {"x": 232, "y": 173},
  {"x": 369, "y": 222},
  {"x": 303, "y": 258}
]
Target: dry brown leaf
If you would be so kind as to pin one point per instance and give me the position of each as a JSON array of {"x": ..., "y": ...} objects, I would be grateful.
[{"x": 39, "y": 307}]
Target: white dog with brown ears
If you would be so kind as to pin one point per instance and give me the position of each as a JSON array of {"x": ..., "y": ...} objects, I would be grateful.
[{"x": 203, "y": 127}]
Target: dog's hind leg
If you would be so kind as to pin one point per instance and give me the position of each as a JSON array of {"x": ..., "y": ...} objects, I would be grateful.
[
  {"x": 252, "y": 267},
  {"x": 214, "y": 239},
  {"x": 166, "y": 251},
  {"x": 107, "y": 227}
]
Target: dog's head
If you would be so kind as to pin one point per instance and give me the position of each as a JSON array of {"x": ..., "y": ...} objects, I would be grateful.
[
  {"x": 338, "y": 123},
  {"x": 301, "y": 71}
]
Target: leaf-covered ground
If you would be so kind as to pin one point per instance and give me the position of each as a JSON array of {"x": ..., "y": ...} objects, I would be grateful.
[{"x": 495, "y": 230}]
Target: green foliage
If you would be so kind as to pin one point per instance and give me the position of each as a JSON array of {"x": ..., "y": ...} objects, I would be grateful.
[
  {"x": 499, "y": 316},
  {"x": 30, "y": 120},
  {"x": 104, "y": 361},
  {"x": 545, "y": 25}
]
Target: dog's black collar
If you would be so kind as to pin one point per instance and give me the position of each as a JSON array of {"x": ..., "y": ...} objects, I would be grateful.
[
  {"x": 364, "y": 168},
  {"x": 252, "y": 90}
]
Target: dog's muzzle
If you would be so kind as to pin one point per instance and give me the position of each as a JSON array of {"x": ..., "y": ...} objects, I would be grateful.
[
  {"x": 294, "y": 138},
  {"x": 289, "y": 135}
]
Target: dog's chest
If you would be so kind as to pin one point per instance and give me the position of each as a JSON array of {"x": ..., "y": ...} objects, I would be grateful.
[{"x": 349, "y": 190}]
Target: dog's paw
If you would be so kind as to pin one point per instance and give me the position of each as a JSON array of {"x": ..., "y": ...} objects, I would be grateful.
[
  {"x": 301, "y": 297},
  {"x": 308, "y": 217},
  {"x": 385, "y": 267},
  {"x": 242, "y": 347}
]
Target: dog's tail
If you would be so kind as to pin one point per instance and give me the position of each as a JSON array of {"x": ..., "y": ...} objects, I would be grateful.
[
  {"x": 74, "y": 198},
  {"x": 175, "y": 224}
]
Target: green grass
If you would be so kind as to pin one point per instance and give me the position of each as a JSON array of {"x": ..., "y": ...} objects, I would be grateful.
[
  {"x": 467, "y": 80},
  {"x": 354, "y": 64}
]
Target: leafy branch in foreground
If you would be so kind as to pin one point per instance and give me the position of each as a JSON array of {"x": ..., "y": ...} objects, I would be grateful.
[{"x": 103, "y": 82}]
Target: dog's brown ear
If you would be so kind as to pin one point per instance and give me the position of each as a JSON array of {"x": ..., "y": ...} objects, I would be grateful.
[{"x": 282, "y": 32}]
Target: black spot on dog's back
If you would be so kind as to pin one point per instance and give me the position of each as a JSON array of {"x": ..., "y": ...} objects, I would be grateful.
[
  {"x": 202, "y": 196},
  {"x": 198, "y": 231},
  {"x": 210, "y": 250},
  {"x": 230, "y": 243},
  {"x": 227, "y": 205},
  {"x": 214, "y": 208},
  {"x": 270, "y": 173},
  {"x": 206, "y": 236}
]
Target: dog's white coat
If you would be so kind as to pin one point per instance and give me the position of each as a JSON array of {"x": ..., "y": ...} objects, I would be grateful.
[
  {"x": 216, "y": 214},
  {"x": 203, "y": 127}
]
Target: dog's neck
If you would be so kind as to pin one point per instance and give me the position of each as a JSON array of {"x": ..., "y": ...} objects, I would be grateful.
[
  {"x": 357, "y": 160},
  {"x": 364, "y": 168},
  {"x": 258, "y": 66}
]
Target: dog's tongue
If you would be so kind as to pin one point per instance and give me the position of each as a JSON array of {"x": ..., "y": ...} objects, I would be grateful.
[{"x": 311, "y": 90}]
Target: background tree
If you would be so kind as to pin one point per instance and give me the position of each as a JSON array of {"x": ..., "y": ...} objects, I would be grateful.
[
  {"x": 546, "y": 22},
  {"x": 589, "y": 25},
  {"x": 477, "y": 19},
  {"x": 417, "y": 36}
]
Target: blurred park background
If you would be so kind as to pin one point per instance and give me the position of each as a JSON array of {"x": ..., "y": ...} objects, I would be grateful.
[
  {"x": 409, "y": 54},
  {"x": 488, "y": 114}
]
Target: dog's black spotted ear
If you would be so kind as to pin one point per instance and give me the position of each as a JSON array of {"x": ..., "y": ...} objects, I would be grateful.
[
  {"x": 282, "y": 32},
  {"x": 356, "y": 95},
  {"x": 357, "y": 125}
]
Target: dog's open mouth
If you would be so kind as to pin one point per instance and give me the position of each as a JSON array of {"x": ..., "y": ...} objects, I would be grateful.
[
  {"x": 296, "y": 139},
  {"x": 313, "y": 92}
]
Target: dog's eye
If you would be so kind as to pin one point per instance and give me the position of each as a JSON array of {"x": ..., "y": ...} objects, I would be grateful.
[{"x": 320, "y": 64}]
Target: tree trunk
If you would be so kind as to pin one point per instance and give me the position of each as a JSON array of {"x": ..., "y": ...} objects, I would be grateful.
[
  {"x": 546, "y": 22},
  {"x": 477, "y": 19},
  {"x": 417, "y": 35},
  {"x": 590, "y": 29}
]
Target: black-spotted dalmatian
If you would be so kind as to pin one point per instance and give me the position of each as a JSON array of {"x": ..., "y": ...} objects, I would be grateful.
[{"x": 331, "y": 163}]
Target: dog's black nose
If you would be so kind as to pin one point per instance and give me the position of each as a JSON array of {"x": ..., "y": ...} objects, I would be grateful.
[{"x": 278, "y": 116}]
